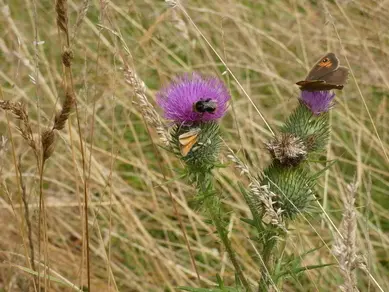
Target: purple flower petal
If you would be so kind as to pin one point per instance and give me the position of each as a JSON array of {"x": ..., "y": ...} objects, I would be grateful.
[
  {"x": 318, "y": 101},
  {"x": 178, "y": 99}
]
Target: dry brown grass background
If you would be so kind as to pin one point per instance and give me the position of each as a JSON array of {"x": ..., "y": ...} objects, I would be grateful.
[{"x": 136, "y": 243}]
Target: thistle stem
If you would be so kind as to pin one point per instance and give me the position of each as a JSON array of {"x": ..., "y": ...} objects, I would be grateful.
[
  {"x": 212, "y": 205},
  {"x": 267, "y": 263},
  {"x": 227, "y": 244},
  {"x": 267, "y": 252}
]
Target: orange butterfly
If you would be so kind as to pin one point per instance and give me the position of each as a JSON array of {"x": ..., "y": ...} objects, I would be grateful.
[{"x": 188, "y": 140}]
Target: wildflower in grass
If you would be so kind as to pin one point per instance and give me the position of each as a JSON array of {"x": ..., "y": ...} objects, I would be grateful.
[
  {"x": 195, "y": 104},
  {"x": 318, "y": 101},
  {"x": 286, "y": 188},
  {"x": 192, "y": 98}
]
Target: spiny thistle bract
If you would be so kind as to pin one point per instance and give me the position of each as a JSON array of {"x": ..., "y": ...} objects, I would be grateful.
[
  {"x": 203, "y": 156},
  {"x": 292, "y": 189},
  {"x": 310, "y": 128}
]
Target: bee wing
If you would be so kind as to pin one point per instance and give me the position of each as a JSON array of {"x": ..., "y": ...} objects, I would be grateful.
[{"x": 187, "y": 140}]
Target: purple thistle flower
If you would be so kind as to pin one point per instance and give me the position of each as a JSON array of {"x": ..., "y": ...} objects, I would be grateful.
[
  {"x": 192, "y": 98},
  {"x": 318, "y": 101}
]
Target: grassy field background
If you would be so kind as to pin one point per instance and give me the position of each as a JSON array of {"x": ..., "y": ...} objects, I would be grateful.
[{"x": 136, "y": 242}]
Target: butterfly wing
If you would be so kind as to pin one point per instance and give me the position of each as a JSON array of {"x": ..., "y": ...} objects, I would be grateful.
[
  {"x": 187, "y": 147},
  {"x": 325, "y": 75},
  {"x": 338, "y": 77},
  {"x": 188, "y": 140},
  {"x": 304, "y": 83},
  {"x": 317, "y": 85},
  {"x": 325, "y": 65}
]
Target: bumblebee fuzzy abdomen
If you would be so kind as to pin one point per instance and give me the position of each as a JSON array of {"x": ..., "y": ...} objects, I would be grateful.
[{"x": 205, "y": 106}]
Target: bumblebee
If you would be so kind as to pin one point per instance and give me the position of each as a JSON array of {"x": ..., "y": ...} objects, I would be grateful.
[{"x": 205, "y": 106}]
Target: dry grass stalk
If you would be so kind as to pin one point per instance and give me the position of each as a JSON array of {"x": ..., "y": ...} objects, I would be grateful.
[
  {"x": 67, "y": 57},
  {"x": 3, "y": 150},
  {"x": 62, "y": 15},
  {"x": 80, "y": 17},
  {"x": 48, "y": 136},
  {"x": 263, "y": 198},
  {"x": 180, "y": 25},
  {"x": 63, "y": 115},
  {"x": 48, "y": 139},
  {"x": 3, "y": 145},
  {"x": 244, "y": 169},
  {"x": 19, "y": 110},
  {"x": 345, "y": 248},
  {"x": 27, "y": 217},
  {"x": 171, "y": 3},
  {"x": 150, "y": 114}
]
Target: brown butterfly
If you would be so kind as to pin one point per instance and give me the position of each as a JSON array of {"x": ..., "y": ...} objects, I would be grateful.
[
  {"x": 188, "y": 140},
  {"x": 327, "y": 74}
]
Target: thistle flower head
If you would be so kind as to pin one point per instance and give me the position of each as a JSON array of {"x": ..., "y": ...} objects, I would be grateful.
[
  {"x": 192, "y": 99},
  {"x": 287, "y": 149},
  {"x": 318, "y": 101}
]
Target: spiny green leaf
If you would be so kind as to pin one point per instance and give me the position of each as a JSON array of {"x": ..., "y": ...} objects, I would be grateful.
[
  {"x": 310, "y": 251},
  {"x": 249, "y": 221},
  {"x": 294, "y": 272},
  {"x": 320, "y": 172},
  {"x": 219, "y": 281}
]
